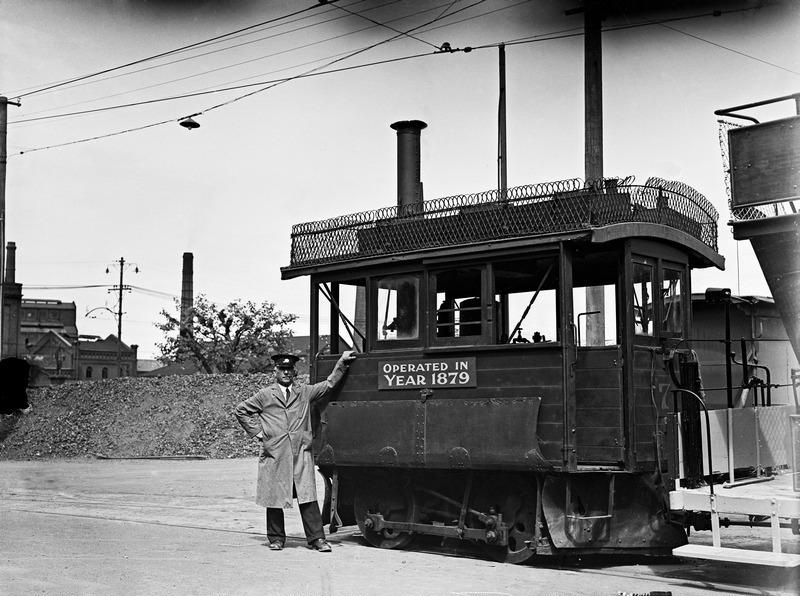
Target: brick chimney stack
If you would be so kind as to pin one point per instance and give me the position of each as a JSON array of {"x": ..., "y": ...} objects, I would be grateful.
[
  {"x": 11, "y": 263},
  {"x": 12, "y": 305},
  {"x": 187, "y": 289}
]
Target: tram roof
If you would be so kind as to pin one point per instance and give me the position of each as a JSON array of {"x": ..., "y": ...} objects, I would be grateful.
[{"x": 601, "y": 211}]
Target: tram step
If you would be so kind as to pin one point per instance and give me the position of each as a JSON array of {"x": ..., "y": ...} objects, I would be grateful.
[{"x": 737, "y": 555}]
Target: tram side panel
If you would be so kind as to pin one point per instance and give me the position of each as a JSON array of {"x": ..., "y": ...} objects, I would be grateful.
[
  {"x": 600, "y": 437},
  {"x": 511, "y": 418},
  {"x": 652, "y": 402}
]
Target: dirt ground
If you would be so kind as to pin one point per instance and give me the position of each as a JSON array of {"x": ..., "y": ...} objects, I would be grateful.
[{"x": 164, "y": 527}]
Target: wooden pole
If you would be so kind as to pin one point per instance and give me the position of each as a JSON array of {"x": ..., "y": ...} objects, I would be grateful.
[
  {"x": 502, "y": 159},
  {"x": 4, "y": 101},
  {"x": 593, "y": 139},
  {"x": 119, "y": 318},
  {"x": 593, "y": 93},
  {"x": 3, "y": 134}
]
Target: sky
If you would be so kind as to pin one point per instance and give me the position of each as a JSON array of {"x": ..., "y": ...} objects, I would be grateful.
[{"x": 320, "y": 146}]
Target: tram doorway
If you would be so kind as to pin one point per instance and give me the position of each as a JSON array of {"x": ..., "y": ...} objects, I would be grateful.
[{"x": 599, "y": 396}]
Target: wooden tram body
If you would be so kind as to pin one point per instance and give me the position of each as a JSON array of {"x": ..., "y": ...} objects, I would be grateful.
[{"x": 480, "y": 407}]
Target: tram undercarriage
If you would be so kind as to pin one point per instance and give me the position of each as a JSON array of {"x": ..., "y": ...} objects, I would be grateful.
[{"x": 512, "y": 515}]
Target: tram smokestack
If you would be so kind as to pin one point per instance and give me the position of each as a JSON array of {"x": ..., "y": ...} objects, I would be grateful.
[{"x": 409, "y": 183}]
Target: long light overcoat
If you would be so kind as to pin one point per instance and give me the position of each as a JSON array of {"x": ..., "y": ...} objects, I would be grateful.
[{"x": 286, "y": 457}]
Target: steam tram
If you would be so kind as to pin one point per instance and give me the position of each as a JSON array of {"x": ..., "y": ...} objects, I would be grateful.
[{"x": 491, "y": 401}]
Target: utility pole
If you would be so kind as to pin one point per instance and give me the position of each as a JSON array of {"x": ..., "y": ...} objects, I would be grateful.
[
  {"x": 120, "y": 289},
  {"x": 502, "y": 157},
  {"x": 4, "y": 101},
  {"x": 593, "y": 140}
]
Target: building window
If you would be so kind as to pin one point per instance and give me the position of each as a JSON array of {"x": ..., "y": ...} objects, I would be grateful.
[
  {"x": 104, "y": 373},
  {"x": 88, "y": 372}
]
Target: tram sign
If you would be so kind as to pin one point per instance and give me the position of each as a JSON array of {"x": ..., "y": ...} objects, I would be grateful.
[{"x": 429, "y": 373}]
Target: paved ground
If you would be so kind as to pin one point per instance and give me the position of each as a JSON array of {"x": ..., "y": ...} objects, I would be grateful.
[{"x": 190, "y": 528}]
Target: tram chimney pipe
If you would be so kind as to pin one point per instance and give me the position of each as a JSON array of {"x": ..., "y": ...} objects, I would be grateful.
[{"x": 409, "y": 183}]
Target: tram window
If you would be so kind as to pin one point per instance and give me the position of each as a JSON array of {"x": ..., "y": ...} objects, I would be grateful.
[
  {"x": 458, "y": 303},
  {"x": 398, "y": 307},
  {"x": 671, "y": 306},
  {"x": 586, "y": 317},
  {"x": 342, "y": 316},
  {"x": 594, "y": 298},
  {"x": 643, "y": 299},
  {"x": 525, "y": 301}
]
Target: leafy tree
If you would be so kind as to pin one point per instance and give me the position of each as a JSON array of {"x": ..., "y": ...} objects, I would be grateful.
[{"x": 238, "y": 337}]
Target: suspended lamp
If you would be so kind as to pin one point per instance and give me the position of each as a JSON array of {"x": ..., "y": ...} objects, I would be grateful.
[{"x": 189, "y": 123}]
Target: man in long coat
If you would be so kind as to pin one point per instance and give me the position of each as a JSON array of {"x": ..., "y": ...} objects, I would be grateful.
[{"x": 280, "y": 417}]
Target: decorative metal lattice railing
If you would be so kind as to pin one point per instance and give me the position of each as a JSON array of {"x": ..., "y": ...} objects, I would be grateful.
[{"x": 531, "y": 210}]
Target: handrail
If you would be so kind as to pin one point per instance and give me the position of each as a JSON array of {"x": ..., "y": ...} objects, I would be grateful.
[
  {"x": 729, "y": 111},
  {"x": 747, "y": 382},
  {"x": 708, "y": 431}
]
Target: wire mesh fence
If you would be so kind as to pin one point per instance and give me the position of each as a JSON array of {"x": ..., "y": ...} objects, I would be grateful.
[{"x": 522, "y": 211}]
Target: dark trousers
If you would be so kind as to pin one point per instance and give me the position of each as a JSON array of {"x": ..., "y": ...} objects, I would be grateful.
[{"x": 312, "y": 523}]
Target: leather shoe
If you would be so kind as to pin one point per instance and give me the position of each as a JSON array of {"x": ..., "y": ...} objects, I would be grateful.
[
  {"x": 275, "y": 546},
  {"x": 321, "y": 545}
]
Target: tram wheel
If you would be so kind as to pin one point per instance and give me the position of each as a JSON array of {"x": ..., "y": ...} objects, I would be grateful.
[
  {"x": 393, "y": 502},
  {"x": 519, "y": 513}
]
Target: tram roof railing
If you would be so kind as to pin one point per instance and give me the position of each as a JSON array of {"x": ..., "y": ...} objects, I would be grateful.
[{"x": 524, "y": 211}]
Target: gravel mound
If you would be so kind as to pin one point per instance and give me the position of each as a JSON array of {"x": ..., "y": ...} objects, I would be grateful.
[{"x": 189, "y": 415}]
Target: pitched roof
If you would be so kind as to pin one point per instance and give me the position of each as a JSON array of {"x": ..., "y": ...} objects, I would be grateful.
[
  {"x": 108, "y": 344},
  {"x": 51, "y": 337}
]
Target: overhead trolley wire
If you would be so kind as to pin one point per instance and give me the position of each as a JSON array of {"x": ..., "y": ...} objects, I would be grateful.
[
  {"x": 312, "y": 72},
  {"x": 315, "y": 71},
  {"x": 719, "y": 45},
  {"x": 206, "y": 72},
  {"x": 65, "y": 287},
  {"x": 571, "y": 32},
  {"x": 223, "y": 89},
  {"x": 350, "y": 55},
  {"x": 94, "y": 138},
  {"x": 167, "y": 53},
  {"x": 201, "y": 55},
  {"x": 402, "y": 33},
  {"x": 154, "y": 293},
  {"x": 566, "y": 33}
]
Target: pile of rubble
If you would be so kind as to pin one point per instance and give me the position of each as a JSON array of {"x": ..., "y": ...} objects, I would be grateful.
[{"x": 188, "y": 415}]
